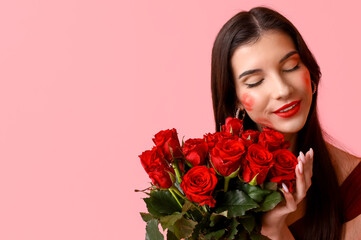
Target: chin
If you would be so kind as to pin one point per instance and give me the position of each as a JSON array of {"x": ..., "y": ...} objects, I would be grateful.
[{"x": 291, "y": 126}]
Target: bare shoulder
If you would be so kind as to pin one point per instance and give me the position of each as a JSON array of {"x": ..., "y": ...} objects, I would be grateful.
[
  {"x": 352, "y": 229},
  {"x": 342, "y": 161}
]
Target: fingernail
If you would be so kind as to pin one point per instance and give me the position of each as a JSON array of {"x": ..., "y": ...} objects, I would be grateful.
[
  {"x": 311, "y": 152},
  {"x": 285, "y": 188},
  {"x": 300, "y": 167},
  {"x": 302, "y": 157}
]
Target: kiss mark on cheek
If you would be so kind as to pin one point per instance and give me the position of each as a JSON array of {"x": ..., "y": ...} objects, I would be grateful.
[
  {"x": 247, "y": 101},
  {"x": 307, "y": 81},
  {"x": 264, "y": 122}
]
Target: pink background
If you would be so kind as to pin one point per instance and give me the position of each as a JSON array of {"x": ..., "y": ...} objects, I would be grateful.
[{"x": 84, "y": 86}]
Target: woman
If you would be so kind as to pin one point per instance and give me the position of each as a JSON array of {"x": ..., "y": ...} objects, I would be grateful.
[{"x": 262, "y": 67}]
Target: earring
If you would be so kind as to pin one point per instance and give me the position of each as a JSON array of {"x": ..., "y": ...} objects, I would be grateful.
[
  {"x": 243, "y": 113},
  {"x": 314, "y": 87}
]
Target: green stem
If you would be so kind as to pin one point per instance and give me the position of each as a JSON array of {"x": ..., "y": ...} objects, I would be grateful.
[
  {"x": 176, "y": 170},
  {"x": 177, "y": 192},
  {"x": 175, "y": 197},
  {"x": 174, "y": 189},
  {"x": 204, "y": 208},
  {"x": 226, "y": 183}
]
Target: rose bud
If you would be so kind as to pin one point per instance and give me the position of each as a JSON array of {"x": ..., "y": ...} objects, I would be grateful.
[
  {"x": 249, "y": 136},
  {"x": 233, "y": 125},
  {"x": 283, "y": 170},
  {"x": 158, "y": 170},
  {"x": 198, "y": 185},
  {"x": 212, "y": 138},
  {"x": 257, "y": 162},
  {"x": 167, "y": 141},
  {"x": 195, "y": 151},
  {"x": 272, "y": 140},
  {"x": 226, "y": 156}
]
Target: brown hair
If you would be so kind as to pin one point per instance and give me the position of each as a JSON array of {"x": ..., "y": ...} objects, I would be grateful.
[{"x": 323, "y": 215}]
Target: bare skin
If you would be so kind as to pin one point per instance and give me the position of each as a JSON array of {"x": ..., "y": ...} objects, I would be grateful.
[
  {"x": 295, "y": 206},
  {"x": 266, "y": 82},
  {"x": 343, "y": 162}
]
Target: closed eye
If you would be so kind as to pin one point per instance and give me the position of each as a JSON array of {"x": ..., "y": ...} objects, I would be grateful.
[
  {"x": 251, "y": 85},
  {"x": 292, "y": 69}
]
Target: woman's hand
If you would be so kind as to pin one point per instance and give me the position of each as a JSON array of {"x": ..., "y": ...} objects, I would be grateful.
[{"x": 274, "y": 222}]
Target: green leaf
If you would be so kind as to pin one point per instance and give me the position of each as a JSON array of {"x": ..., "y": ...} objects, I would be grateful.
[
  {"x": 258, "y": 236},
  {"x": 248, "y": 223},
  {"x": 216, "y": 218},
  {"x": 215, "y": 235},
  {"x": 233, "y": 230},
  {"x": 254, "y": 180},
  {"x": 236, "y": 202},
  {"x": 255, "y": 192},
  {"x": 146, "y": 216},
  {"x": 162, "y": 203},
  {"x": 203, "y": 224},
  {"x": 271, "y": 201},
  {"x": 153, "y": 232},
  {"x": 242, "y": 235},
  {"x": 183, "y": 228},
  {"x": 270, "y": 186},
  {"x": 187, "y": 206},
  {"x": 168, "y": 221},
  {"x": 171, "y": 236}
]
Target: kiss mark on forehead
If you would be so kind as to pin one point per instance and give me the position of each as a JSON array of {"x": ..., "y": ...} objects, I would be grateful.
[{"x": 247, "y": 101}]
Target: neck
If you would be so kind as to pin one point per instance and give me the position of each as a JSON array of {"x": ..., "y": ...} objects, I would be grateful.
[{"x": 292, "y": 138}]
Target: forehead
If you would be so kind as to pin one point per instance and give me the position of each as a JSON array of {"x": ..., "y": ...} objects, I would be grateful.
[{"x": 271, "y": 46}]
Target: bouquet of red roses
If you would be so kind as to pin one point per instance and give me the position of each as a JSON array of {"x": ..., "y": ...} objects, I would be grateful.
[{"x": 215, "y": 187}]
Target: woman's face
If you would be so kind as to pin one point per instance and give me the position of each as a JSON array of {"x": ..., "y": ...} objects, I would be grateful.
[{"x": 270, "y": 78}]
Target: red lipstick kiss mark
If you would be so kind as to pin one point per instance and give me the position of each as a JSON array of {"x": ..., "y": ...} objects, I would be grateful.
[
  {"x": 247, "y": 101},
  {"x": 307, "y": 82},
  {"x": 265, "y": 122}
]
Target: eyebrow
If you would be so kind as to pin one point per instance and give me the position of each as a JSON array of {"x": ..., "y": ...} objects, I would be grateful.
[{"x": 248, "y": 72}]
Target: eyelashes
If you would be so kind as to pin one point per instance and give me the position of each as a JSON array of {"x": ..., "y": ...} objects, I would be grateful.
[
  {"x": 251, "y": 85},
  {"x": 292, "y": 69}
]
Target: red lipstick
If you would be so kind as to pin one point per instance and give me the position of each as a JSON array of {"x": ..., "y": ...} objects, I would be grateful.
[{"x": 290, "y": 112}]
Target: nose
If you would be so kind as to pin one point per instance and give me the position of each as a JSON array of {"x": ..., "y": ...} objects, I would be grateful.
[{"x": 281, "y": 88}]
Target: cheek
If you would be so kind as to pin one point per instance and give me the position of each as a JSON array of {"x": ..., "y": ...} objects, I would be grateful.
[
  {"x": 307, "y": 81},
  {"x": 247, "y": 101}
]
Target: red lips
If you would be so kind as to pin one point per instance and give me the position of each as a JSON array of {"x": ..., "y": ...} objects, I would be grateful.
[
  {"x": 293, "y": 111},
  {"x": 287, "y": 105}
]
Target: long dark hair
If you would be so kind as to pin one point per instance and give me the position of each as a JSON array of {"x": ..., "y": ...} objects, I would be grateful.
[{"x": 323, "y": 218}]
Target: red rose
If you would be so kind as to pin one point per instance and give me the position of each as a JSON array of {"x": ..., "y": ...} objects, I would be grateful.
[
  {"x": 226, "y": 156},
  {"x": 235, "y": 124},
  {"x": 249, "y": 136},
  {"x": 195, "y": 151},
  {"x": 213, "y": 138},
  {"x": 167, "y": 139},
  {"x": 284, "y": 168},
  {"x": 258, "y": 160},
  {"x": 198, "y": 185},
  {"x": 155, "y": 165},
  {"x": 272, "y": 140}
]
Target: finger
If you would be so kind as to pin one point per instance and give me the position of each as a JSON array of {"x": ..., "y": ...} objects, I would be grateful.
[
  {"x": 291, "y": 204},
  {"x": 308, "y": 168},
  {"x": 311, "y": 153},
  {"x": 309, "y": 158},
  {"x": 301, "y": 187}
]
